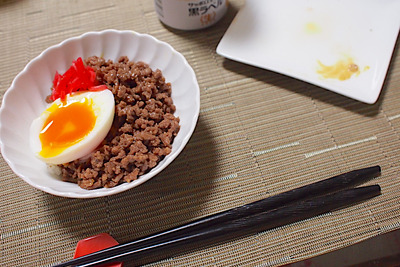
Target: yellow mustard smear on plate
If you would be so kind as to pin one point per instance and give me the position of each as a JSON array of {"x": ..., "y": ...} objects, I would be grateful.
[
  {"x": 342, "y": 70},
  {"x": 312, "y": 28}
]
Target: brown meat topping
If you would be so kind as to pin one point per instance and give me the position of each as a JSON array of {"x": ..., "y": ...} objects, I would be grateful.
[{"x": 143, "y": 129}]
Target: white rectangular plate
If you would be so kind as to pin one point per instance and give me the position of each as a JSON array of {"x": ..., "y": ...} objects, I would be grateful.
[{"x": 294, "y": 37}]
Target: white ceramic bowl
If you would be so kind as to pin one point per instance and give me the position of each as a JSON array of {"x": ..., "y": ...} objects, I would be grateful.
[{"x": 24, "y": 101}]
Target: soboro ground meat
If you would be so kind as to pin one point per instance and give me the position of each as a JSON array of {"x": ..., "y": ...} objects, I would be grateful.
[{"x": 142, "y": 132}]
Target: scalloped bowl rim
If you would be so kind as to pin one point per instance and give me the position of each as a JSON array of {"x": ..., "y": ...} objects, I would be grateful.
[{"x": 124, "y": 186}]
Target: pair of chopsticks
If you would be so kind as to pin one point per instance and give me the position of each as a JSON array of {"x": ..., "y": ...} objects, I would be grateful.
[{"x": 278, "y": 210}]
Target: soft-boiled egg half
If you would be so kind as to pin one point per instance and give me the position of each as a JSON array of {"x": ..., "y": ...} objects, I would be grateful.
[{"x": 70, "y": 129}]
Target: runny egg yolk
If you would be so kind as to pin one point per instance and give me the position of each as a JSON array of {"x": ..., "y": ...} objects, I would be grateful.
[
  {"x": 341, "y": 70},
  {"x": 66, "y": 125}
]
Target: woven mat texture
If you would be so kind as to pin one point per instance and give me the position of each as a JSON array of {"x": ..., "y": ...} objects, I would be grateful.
[{"x": 259, "y": 133}]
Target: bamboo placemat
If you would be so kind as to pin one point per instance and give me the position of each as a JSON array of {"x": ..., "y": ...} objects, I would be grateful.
[{"x": 259, "y": 133}]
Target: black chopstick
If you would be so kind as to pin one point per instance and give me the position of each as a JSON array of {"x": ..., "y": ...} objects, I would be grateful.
[
  {"x": 320, "y": 188},
  {"x": 246, "y": 225}
]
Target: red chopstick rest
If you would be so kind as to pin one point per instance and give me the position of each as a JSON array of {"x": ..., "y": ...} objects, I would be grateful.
[{"x": 96, "y": 243}]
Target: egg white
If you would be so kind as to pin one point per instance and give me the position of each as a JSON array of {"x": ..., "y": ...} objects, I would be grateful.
[{"x": 103, "y": 106}]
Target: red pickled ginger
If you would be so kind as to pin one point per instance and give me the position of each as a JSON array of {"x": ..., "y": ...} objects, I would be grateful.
[{"x": 77, "y": 78}]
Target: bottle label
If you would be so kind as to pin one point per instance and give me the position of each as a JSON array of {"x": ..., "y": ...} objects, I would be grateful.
[{"x": 190, "y": 14}]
